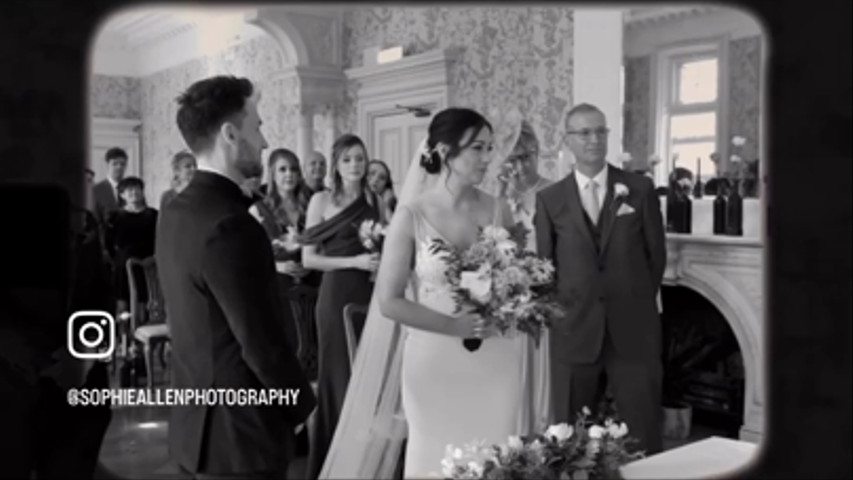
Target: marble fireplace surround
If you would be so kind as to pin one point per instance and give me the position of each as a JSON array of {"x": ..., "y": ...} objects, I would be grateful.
[{"x": 729, "y": 272}]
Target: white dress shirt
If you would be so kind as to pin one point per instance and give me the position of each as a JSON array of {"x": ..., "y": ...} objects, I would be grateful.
[{"x": 600, "y": 179}]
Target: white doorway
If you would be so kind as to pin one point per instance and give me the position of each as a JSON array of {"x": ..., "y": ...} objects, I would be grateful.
[{"x": 396, "y": 137}]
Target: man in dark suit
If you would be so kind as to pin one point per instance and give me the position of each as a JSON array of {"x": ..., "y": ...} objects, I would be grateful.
[
  {"x": 106, "y": 191},
  {"x": 603, "y": 229},
  {"x": 219, "y": 283}
]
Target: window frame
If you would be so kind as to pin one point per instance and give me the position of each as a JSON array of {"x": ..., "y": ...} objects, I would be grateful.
[{"x": 666, "y": 104}]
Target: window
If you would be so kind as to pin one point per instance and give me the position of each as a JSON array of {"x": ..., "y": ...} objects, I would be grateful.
[{"x": 689, "y": 109}]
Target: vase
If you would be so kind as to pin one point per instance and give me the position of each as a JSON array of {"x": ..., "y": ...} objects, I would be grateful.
[
  {"x": 676, "y": 421},
  {"x": 720, "y": 213},
  {"x": 734, "y": 212},
  {"x": 687, "y": 215}
]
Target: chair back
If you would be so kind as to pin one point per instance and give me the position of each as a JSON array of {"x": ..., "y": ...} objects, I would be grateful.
[
  {"x": 303, "y": 302},
  {"x": 155, "y": 308},
  {"x": 355, "y": 316}
]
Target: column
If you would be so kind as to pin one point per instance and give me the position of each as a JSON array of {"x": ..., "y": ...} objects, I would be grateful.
[
  {"x": 598, "y": 68},
  {"x": 305, "y": 131}
]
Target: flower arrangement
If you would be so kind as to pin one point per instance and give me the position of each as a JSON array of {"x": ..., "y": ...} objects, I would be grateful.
[
  {"x": 495, "y": 277},
  {"x": 586, "y": 450},
  {"x": 372, "y": 236}
]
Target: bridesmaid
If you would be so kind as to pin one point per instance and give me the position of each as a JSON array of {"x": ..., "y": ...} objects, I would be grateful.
[
  {"x": 380, "y": 183},
  {"x": 281, "y": 210},
  {"x": 332, "y": 245}
]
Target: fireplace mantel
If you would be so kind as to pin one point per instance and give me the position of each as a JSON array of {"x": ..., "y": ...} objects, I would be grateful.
[{"x": 729, "y": 272}]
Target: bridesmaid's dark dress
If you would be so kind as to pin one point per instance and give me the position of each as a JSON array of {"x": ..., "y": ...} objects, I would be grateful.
[
  {"x": 132, "y": 235},
  {"x": 336, "y": 237}
]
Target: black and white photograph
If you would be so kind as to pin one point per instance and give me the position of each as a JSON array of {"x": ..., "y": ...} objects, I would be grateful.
[{"x": 409, "y": 242}]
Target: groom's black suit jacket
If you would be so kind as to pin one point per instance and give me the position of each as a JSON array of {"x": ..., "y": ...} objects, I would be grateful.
[
  {"x": 225, "y": 316},
  {"x": 607, "y": 275}
]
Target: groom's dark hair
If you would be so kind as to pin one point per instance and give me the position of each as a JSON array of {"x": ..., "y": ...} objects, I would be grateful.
[{"x": 209, "y": 103}]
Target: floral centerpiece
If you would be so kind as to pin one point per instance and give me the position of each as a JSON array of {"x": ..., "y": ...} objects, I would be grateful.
[
  {"x": 510, "y": 287},
  {"x": 586, "y": 450},
  {"x": 372, "y": 236}
]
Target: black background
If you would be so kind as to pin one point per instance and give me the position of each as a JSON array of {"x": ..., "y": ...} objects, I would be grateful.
[{"x": 43, "y": 130}]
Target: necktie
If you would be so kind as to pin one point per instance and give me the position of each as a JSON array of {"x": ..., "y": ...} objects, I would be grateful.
[{"x": 591, "y": 201}]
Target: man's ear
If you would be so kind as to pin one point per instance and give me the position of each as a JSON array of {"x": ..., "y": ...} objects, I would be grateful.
[{"x": 228, "y": 132}]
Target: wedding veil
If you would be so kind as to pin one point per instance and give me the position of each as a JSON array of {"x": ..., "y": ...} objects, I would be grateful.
[{"x": 372, "y": 427}]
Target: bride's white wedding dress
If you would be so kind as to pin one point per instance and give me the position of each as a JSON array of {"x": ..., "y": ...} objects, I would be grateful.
[{"x": 449, "y": 394}]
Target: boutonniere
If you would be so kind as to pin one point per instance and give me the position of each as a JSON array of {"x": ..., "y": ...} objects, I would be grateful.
[{"x": 620, "y": 191}]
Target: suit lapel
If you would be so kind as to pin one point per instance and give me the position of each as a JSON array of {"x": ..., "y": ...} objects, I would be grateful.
[
  {"x": 573, "y": 203},
  {"x": 608, "y": 213}
]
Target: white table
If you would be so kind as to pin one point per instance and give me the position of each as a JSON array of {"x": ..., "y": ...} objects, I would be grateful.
[{"x": 712, "y": 457}]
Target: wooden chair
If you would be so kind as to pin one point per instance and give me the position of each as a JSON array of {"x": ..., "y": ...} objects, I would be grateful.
[
  {"x": 148, "y": 324},
  {"x": 303, "y": 301},
  {"x": 354, "y": 317}
]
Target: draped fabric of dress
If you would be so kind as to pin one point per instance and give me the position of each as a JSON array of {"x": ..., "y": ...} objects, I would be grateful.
[
  {"x": 336, "y": 237},
  {"x": 449, "y": 394}
]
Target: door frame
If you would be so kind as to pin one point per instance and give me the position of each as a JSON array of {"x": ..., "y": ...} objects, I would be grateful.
[{"x": 419, "y": 80}]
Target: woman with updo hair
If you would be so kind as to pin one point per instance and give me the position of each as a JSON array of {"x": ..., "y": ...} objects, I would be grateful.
[{"x": 453, "y": 374}]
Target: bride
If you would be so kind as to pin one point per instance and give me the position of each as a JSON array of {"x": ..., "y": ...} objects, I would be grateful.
[{"x": 412, "y": 371}]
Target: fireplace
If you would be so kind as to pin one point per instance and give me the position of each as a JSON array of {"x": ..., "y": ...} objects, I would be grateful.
[{"x": 728, "y": 273}]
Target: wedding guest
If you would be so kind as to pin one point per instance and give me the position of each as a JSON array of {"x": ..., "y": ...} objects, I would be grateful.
[
  {"x": 183, "y": 168},
  {"x": 107, "y": 198},
  {"x": 380, "y": 182},
  {"x": 332, "y": 245},
  {"x": 520, "y": 183},
  {"x": 282, "y": 214},
  {"x": 131, "y": 231},
  {"x": 217, "y": 271},
  {"x": 524, "y": 181},
  {"x": 315, "y": 172},
  {"x": 603, "y": 228}
]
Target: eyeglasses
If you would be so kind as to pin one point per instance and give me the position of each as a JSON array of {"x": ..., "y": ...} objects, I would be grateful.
[{"x": 587, "y": 133}]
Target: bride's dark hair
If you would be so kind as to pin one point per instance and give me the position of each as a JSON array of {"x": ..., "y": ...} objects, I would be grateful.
[{"x": 449, "y": 126}]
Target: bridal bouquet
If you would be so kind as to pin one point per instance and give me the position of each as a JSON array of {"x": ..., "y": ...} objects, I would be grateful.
[
  {"x": 497, "y": 278},
  {"x": 372, "y": 235},
  {"x": 585, "y": 451}
]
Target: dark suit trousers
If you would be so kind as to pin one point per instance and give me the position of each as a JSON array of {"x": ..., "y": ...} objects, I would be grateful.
[{"x": 636, "y": 387}]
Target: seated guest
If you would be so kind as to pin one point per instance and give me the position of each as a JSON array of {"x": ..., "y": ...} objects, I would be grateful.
[
  {"x": 380, "y": 183},
  {"x": 315, "y": 172},
  {"x": 131, "y": 231},
  {"x": 183, "y": 168}
]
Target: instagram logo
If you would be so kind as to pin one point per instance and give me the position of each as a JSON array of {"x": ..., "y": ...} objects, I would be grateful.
[{"x": 91, "y": 335}]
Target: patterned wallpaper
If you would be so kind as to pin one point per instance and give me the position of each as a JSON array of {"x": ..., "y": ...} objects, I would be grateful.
[
  {"x": 744, "y": 98},
  {"x": 115, "y": 97},
  {"x": 744, "y": 92},
  {"x": 637, "y": 107},
  {"x": 504, "y": 59}
]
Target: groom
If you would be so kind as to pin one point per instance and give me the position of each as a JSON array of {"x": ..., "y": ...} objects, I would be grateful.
[
  {"x": 603, "y": 229},
  {"x": 223, "y": 308}
]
